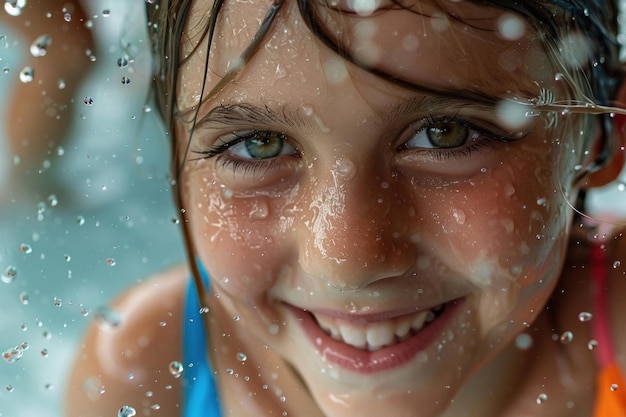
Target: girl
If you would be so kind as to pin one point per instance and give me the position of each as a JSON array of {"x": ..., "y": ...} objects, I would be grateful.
[{"x": 385, "y": 198}]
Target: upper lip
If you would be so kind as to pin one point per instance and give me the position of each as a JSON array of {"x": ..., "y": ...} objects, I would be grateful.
[{"x": 368, "y": 317}]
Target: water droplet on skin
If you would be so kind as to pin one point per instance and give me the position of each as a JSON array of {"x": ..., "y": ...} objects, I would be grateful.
[
  {"x": 106, "y": 12},
  {"x": 126, "y": 411},
  {"x": 236, "y": 318},
  {"x": 542, "y": 398},
  {"x": 566, "y": 337},
  {"x": 14, "y": 7},
  {"x": 52, "y": 200},
  {"x": 614, "y": 387},
  {"x": 25, "y": 248},
  {"x": 40, "y": 46},
  {"x": 592, "y": 344},
  {"x": 125, "y": 80},
  {"x": 122, "y": 62},
  {"x": 27, "y": 75},
  {"x": 616, "y": 264},
  {"x": 108, "y": 316},
  {"x": 88, "y": 101},
  {"x": 176, "y": 369},
  {"x": 458, "y": 215},
  {"x": 585, "y": 316},
  {"x": 80, "y": 220},
  {"x": 242, "y": 357},
  {"x": 511, "y": 27},
  {"x": 67, "y": 17},
  {"x": 273, "y": 329}
]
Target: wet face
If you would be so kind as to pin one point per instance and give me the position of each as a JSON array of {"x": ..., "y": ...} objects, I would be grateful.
[{"x": 383, "y": 241}]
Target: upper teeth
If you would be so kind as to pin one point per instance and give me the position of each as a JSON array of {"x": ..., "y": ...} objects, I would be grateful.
[{"x": 373, "y": 336}]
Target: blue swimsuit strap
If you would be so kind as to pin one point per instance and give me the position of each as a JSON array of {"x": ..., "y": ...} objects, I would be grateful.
[{"x": 200, "y": 397}]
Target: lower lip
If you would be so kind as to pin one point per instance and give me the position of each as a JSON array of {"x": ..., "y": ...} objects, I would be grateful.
[{"x": 387, "y": 358}]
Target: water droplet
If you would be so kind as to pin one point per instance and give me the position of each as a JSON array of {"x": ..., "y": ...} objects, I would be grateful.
[
  {"x": 176, "y": 368},
  {"x": 523, "y": 341},
  {"x": 67, "y": 17},
  {"x": 25, "y": 346},
  {"x": 273, "y": 329},
  {"x": 614, "y": 387},
  {"x": 9, "y": 274},
  {"x": 12, "y": 355},
  {"x": 111, "y": 261},
  {"x": 566, "y": 337},
  {"x": 242, "y": 357},
  {"x": 108, "y": 316},
  {"x": 106, "y": 12},
  {"x": 80, "y": 220},
  {"x": 61, "y": 84},
  {"x": 44, "y": 352},
  {"x": 88, "y": 101},
  {"x": 67, "y": 257},
  {"x": 592, "y": 344},
  {"x": 230, "y": 371},
  {"x": 542, "y": 398},
  {"x": 24, "y": 298},
  {"x": 40, "y": 46},
  {"x": 9, "y": 388},
  {"x": 14, "y": 7},
  {"x": 84, "y": 312},
  {"x": 236, "y": 318},
  {"x": 585, "y": 316},
  {"x": 57, "y": 302},
  {"x": 27, "y": 74},
  {"x": 125, "y": 80},
  {"x": 52, "y": 200},
  {"x": 25, "y": 248},
  {"x": 126, "y": 411},
  {"x": 459, "y": 216},
  {"x": 616, "y": 264},
  {"x": 122, "y": 62}
]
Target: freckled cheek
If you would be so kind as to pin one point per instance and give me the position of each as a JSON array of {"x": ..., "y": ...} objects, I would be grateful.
[{"x": 241, "y": 239}]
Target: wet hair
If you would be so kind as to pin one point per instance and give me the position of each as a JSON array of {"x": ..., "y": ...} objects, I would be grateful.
[{"x": 596, "y": 20}]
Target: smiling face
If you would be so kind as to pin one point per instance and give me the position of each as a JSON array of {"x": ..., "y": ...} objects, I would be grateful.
[{"x": 383, "y": 241}]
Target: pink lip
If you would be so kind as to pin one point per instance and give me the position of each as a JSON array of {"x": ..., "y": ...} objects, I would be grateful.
[{"x": 365, "y": 362}]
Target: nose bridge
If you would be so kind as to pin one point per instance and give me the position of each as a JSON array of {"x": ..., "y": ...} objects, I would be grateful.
[{"x": 355, "y": 228}]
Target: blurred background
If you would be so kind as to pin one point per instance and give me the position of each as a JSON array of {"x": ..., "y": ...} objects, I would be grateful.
[{"x": 91, "y": 215}]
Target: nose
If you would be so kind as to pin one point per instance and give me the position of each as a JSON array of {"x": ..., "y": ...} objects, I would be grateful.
[{"x": 356, "y": 228}]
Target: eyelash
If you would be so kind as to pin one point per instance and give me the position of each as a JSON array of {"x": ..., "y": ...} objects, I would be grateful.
[{"x": 488, "y": 139}]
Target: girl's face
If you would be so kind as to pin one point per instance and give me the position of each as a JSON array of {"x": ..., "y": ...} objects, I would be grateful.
[{"x": 384, "y": 242}]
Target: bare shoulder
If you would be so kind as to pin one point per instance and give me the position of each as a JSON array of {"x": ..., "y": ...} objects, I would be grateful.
[{"x": 125, "y": 360}]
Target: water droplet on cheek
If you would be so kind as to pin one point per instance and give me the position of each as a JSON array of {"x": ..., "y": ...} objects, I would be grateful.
[
  {"x": 176, "y": 369},
  {"x": 126, "y": 411},
  {"x": 27, "y": 75},
  {"x": 459, "y": 216},
  {"x": 260, "y": 210},
  {"x": 566, "y": 337},
  {"x": 542, "y": 398}
]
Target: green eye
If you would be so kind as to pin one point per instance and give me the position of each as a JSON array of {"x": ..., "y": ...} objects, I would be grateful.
[
  {"x": 264, "y": 145},
  {"x": 447, "y": 135}
]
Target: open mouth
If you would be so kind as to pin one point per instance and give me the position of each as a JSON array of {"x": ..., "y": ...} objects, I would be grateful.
[
  {"x": 374, "y": 336},
  {"x": 373, "y": 344}
]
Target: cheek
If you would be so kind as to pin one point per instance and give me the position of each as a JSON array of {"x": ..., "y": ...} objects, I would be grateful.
[{"x": 242, "y": 239}]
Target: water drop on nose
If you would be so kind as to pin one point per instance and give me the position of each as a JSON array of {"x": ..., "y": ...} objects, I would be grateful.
[
  {"x": 176, "y": 368},
  {"x": 126, "y": 411},
  {"x": 27, "y": 74},
  {"x": 40, "y": 46},
  {"x": 88, "y": 101},
  {"x": 585, "y": 316}
]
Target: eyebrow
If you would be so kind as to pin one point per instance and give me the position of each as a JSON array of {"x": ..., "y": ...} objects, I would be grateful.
[{"x": 229, "y": 115}]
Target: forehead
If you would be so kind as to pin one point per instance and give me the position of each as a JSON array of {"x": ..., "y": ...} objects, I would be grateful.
[{"x": 449, "y": 44}]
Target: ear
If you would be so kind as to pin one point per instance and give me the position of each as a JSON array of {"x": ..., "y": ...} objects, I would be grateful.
[{"x": 613, "y": 167}]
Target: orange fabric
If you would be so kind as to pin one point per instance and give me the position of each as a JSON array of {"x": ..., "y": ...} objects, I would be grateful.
[{"x": 610, "y": 393}]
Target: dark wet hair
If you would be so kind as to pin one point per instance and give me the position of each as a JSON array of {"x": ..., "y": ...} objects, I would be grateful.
[{"x": 595, "y": 20}]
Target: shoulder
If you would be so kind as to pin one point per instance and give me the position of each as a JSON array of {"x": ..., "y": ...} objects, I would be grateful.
[{"x": 124, "y": 360}]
